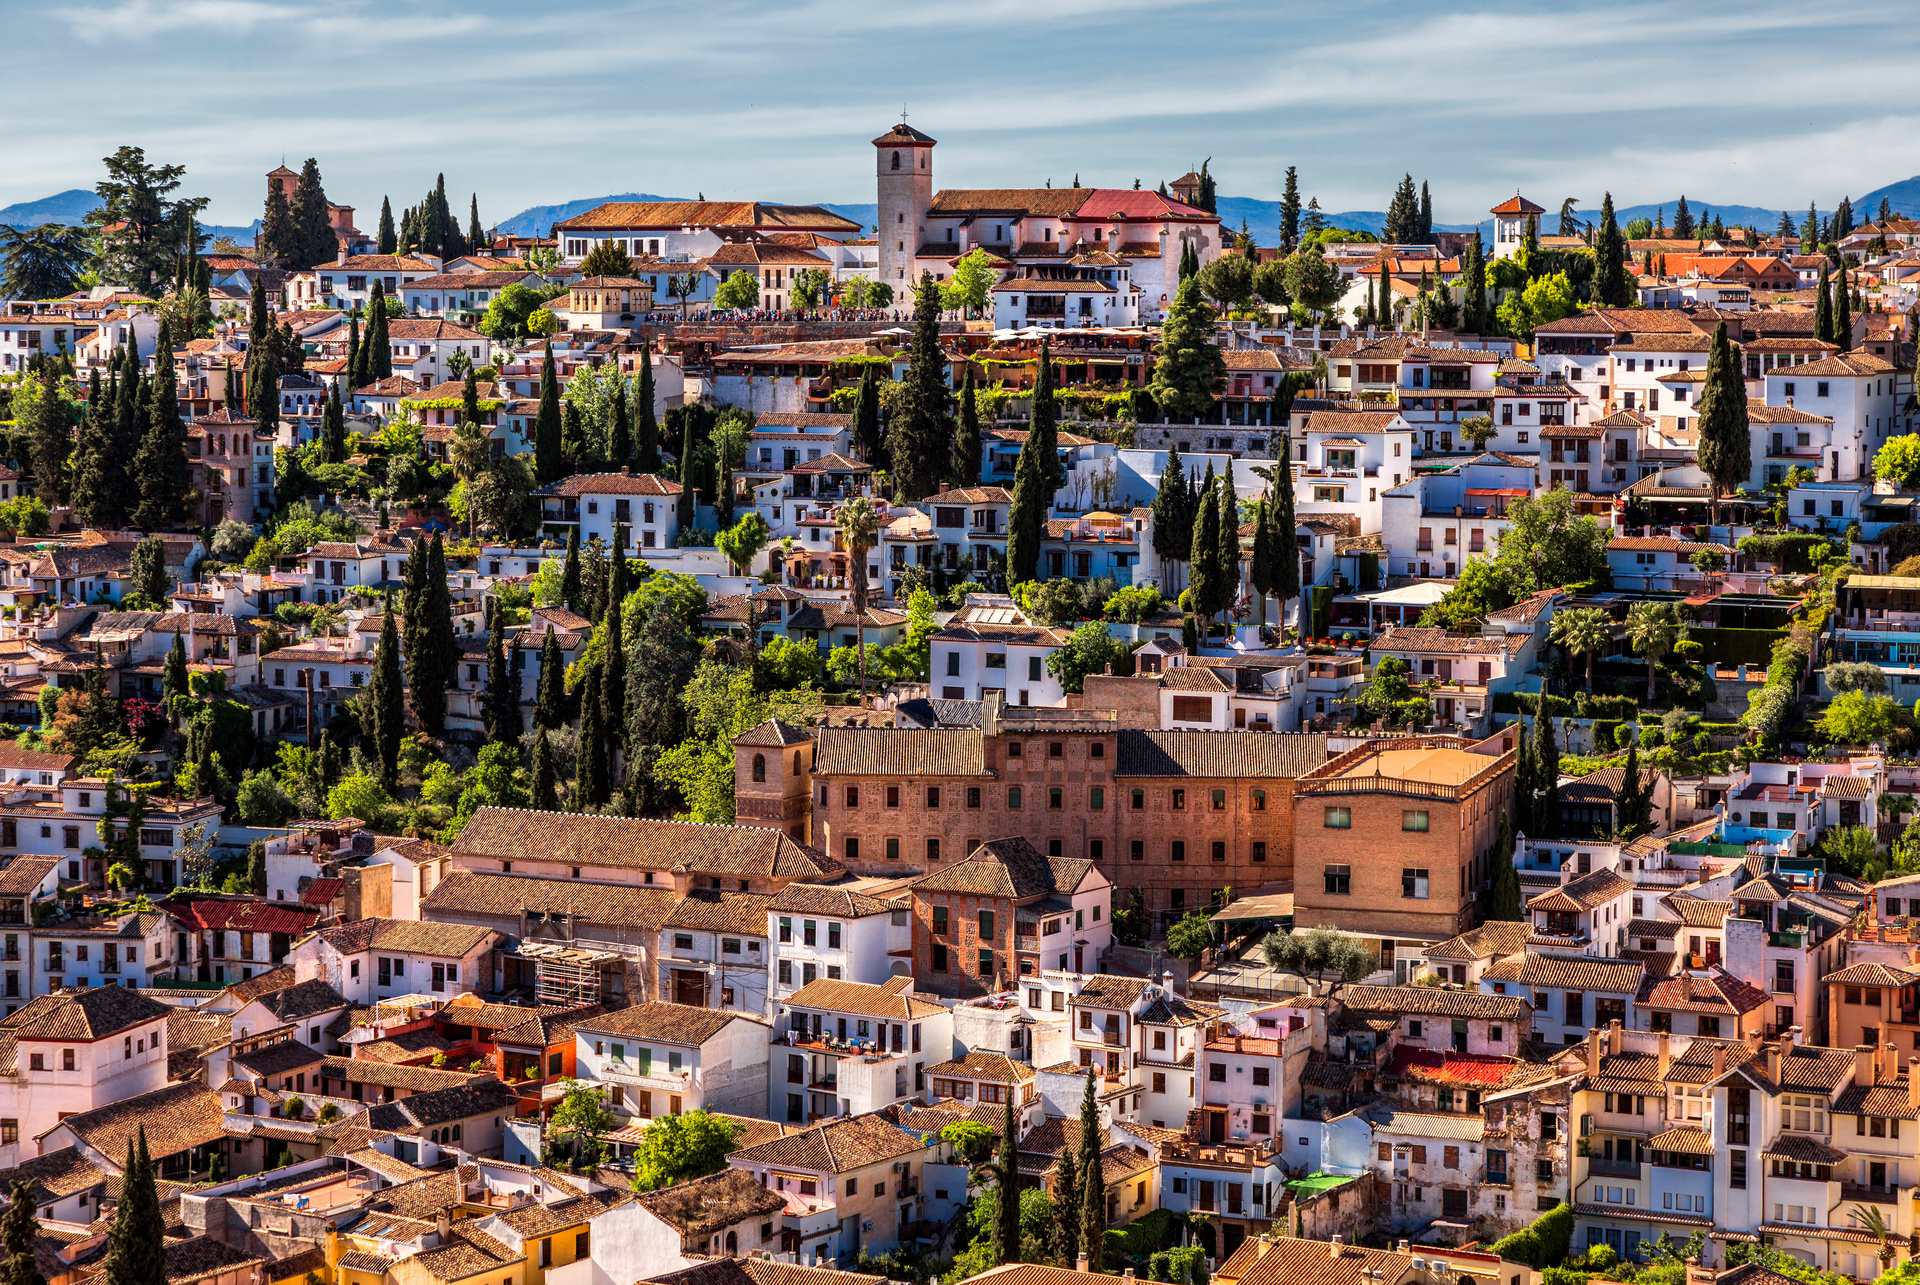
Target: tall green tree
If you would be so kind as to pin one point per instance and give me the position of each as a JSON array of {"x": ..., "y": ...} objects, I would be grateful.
[
  {"x": 571, "y": 596},
  {"x": 590, "y": 786},
  {"x": 1843, "y": 313},
  {"x": 1546, "y": 779},
  {"x": 50, "y": 425},
  {"x": 387, "y": 241},
  {"x": 868, "y": 442},
  {"x": 1066, "y": 1197},
  {"x": 646, "y": 432},
  {"x": 965, "y": 466},
  {"x": 148, "y": 571},
  {"x": 1006, "y": 1223},
  {"x": 1613, "y": 284},
  {"x": 1290, "y": 213},
  {"x": 1426, "y": 214},
  {"x": 312, "y": 229},
  {"x": 1027, "y": 516},
  {"x": 385, "y": 718},
  {"x": 1172, "y": 524},
  {"x": 379, "y": 347},
  {"x": 1093, "y": 1181},
  {"x": 548, "y": 466},
  {"x": 1403, "y": 215},
  {"x": 1286, "y": 543},
  {"x": 136, "y": 1241},
  {"x": 1474, "y": 317},
  {"x": 546, "y": 793},
  {"x": 620, "y": 432},
  {"x": 173, "y": 678},
  {"x": 1226, "y": 550},
  {"x": 1823, "y": 310},
  {"x": 1524, "y": 791},
  {"x": 1506, "y": 903},
  {"x": 333, "y": 429},
  {"x": 614, "y": 682},
  {"x": 476, "y": 237},
  {"x": 1190, "y": 368},
  {"x": 919, "y": 435},
  {"x": 43, "y": 262},
  {"x": 503, "y": 687},
  {"x": 139, "y": 223},
  {"x": 1683, "y": 227},
  {"x": 1203, "y": 568},
  {"x": 1726, "y": 444},
  {"x": 550, "y": 695}
]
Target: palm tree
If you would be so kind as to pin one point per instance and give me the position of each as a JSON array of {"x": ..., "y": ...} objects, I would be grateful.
[
  {"x": 1654, "y": 628},
  {"x": 1875, "y": 1225},
  {"x": 469, "y": 452},
  {"x": 1583, "y": 631},
  {"x": 858, "y": 523}
]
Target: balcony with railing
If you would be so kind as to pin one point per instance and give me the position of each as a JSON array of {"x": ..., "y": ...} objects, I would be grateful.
[
  {"x": 1871, "y": 1193},
  {"x": 1601, "y": 1167}
]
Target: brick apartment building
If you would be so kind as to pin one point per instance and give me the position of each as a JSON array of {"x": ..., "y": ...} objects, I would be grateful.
[
  {"x": 1177, "y": 817},
  {"x": 1429, "y": 809},
  {"x": 1004, "y": 912}
]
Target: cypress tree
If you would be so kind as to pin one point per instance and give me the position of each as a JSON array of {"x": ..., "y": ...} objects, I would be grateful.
[
  {"x": 1043, "y": 421},
  {"x": 590, "y": 782},
  {"x": 1426, "y": 214},
  {"x": 1202, "y": 563},
  {"x": 1093, "y": 1182},
  {"x": 276, "y": 241},
  {"x": 1823, "y": 310},
  {"x": 1523, "y": 791},
  {"x": 1506, "y": 903},
  {"x": 444, "y": 647},
  {"x": 576, "y": 452},
  {"x": 867, "y": 441},
  {"x": 614, "y": 684},
  {"x": 1546, "y": 777},
  {"x": 965, "y": 466},
  {"x": 386, "y": 716},
  {"x": 1260, "y": 569},
  {"x": 1682, "y": 220},
  {"x": 333, "y": 429},
  {"x": 92, "y": 496},
  {"x": 475, "y": 237},
  {"x": 1628, "y": 807},
  {"x": 136, "y": 1242},
  {"x": 1066, "y": 1196},
  {"x": 691, "y": 419},
  {"x": 550, "y": 695},
  {"x": 620, "y": 435},
  {"x": 570, "y": 596},
  {"x": 1725, "y": 448},
  {"x": 1227, "y": 546},
  {"x": 1172, "y": 533},
  {"x": 17, "y": 1226},
  {"x": 1281, "y": 528},
  {"x": 1473, "y": 294},
  {"x": 50, "y": 438},
  {"x": 918, "y": 436},
  {"x": 646, "y": 435},
  {"x": 356, "y": 354},
  {"x": 173, "y": 679},
  {"x": 503, "y": 691},
  {"x": 1843, "y": 313},
  {"x": 312, "y": 230},
  {"x": 1290, "y": 213},
  {"x": 546, "y": 433},
  {"x": 546, "y": 794},
  {"x": 379, "y": 362},
  {"x": 1027, "y": 517},
  {"x": 161, "y": 460},
  {"x": 1006, "y": 1223},
  {"x": 387, "y": 240},
  {"x": 1612, "y": 285}
]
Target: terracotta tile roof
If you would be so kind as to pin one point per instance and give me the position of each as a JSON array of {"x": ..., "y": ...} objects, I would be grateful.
[
  {"x": 708, "y": 214},
  {"x": 92, "y": 1014},
  {"x": 611, "y": 484},
  {"x": 468, "y": 1253},
  {"x": 714, "y": 910},
  {"x": 637, "y": 844},
  {"x": 1369, "y": 421},
  {"x": 1696, "y": 912},
  {"x": 177, "y": 1118},
  {"x": 1794, "y": 1146},
  {"x": 708, "y": 1204},
  {"x": 279, "y": 1058},
  {"x": 482, "y": 1096},
  {"x": 890, "y": 1000},
  {"x": 1010, "y": 868},
  {"x": 548, "y": 1027},
  {"x": 1109, "y": 990},
  {"x": 1870, "y": 974},
  {"x": 1470, "y": 1070},
  {"x": 415, "y": 1079},
  {"x": 665, "y": 1023},
  {"x": 1575, "y": 972},
  {"x": 466, "y": 893},
  {"x": 876, "y": 751},
  {"x": 248, "y": 915},
  {"x": 773, "y": 732},
  {"x": 1492, "y": 939},
  {"x": 1408, "y": 638},
  {"x": 58, "y": 1173},
  {"x": 1428, "y": 1000},
  {"x": 1286, "y": 1262},
  {"x": 984, "y": 1066},
  {"x": 1213, "y": 755},
  {"x": 823, "y": 899},
  {"x": 12, "y": 754},
  {"x": 406, "y": 936},
  {"x": 1716, "y": 992},
  {"x": 199, "y": 1257},
  {"x": 1889, "y": 1100},
  {"x": 303, "y": 1000},
  {"x": 417, "y": 328},
  {"x": 838, "y": 1146},
  {"x": 1587, "y": 892}
]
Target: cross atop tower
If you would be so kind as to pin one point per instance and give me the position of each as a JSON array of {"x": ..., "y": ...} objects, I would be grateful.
[{"x": 903, "y": 113}]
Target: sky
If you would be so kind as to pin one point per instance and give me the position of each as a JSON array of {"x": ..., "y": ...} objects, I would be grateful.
[{"x": 535, "y": 103}]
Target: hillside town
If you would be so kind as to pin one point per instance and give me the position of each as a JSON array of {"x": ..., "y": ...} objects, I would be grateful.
[{"x": 483, "y": 714}]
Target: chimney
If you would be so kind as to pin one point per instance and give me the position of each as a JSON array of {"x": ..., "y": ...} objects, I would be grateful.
[
  {"x": 1887, "y": 1064},
  {"x": 1613, "y": 1038},
  {"x": 1863, "y": 1066},
  {"x": 943, "y": 488},
  {"x": 1666, "y": 1057},
  {"x": 1913, "y": 1081},
  {"x": 1719, "y": 1060},
  {"x": 444, "y": 1224},
  {"x": 1406, "y": 1247},
  {"x": 1333, "y": 1246},
  {"x": 1772, "y": 1063},
  {"x": 1593, "y": 1051}
]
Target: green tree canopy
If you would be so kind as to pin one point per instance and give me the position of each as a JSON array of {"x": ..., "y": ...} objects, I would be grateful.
[
  {"x": 678, "y": 1148},
  {"x": 1319, "y": 956}
]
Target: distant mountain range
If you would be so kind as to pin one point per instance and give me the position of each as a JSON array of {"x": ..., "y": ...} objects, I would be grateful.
[{"x": 74, "y": 204}]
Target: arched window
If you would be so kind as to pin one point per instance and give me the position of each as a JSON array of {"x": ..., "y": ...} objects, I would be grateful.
[
  {"x": 923, "y": 160},
  {"x": 759, "y": 767},
  {"x": 796, "y": 762},
  {"x": 896, "y": 160},
  {"x": 733, "y": 1242}
]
